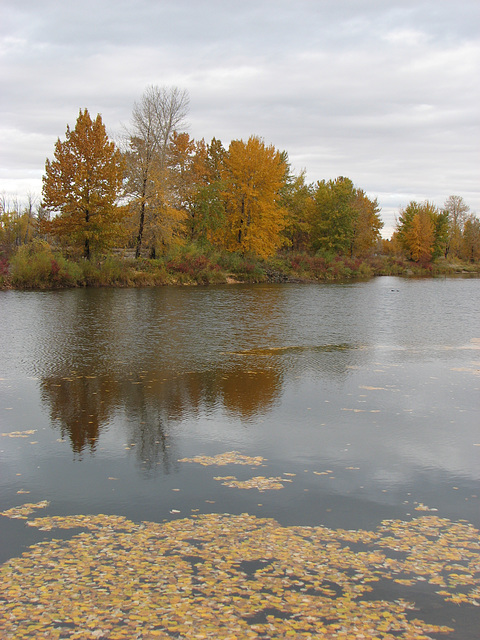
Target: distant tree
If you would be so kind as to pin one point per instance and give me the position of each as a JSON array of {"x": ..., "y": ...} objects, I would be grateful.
[
  {"x": 82, "y": 185},
  {"x": 159, "y": 113},
  {"x": 420, "y": 237},
  {"x": 422, "y": 231},
  {"x": 457, "y": 211},
  {"x": 366, "y": 225},
  {"x": 470, "y": 247},
  {"x": 12, "y": 223},
  {"x": 207, "y": 216},
  {"x": 254, "y": 176},
  {"x": 187, "y": 174},
  {"x": 297, "y": 199},
  {"x": 344, "y": 220}
]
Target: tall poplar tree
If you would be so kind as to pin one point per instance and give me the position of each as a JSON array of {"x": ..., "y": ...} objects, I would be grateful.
[
  {"x": 81, "y": 186},
  {"x": 254, "y": 176}
]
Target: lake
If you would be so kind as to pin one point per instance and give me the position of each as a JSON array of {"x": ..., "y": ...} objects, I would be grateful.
[{"x": 241, "y": 461}]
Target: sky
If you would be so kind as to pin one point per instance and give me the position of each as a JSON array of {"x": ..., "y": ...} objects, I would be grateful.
[{"x": 386, "y": 93}]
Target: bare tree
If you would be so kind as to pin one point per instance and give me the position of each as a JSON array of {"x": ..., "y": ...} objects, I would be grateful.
[
  {"x": 32, "y": 201},
  {"x": 457, "y": 211},
  {"x": 159, "y": 113}
]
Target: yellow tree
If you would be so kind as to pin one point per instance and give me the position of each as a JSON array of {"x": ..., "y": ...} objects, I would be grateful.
[
  {"x": 420, "y": 237},
  {"x": 254, "y": 176},
  {"x": 81, "y": 186},
  {"x": 367, "y": 225},
  {"x": 421, "y": 231},
  {"x": 187, "y": 174}
]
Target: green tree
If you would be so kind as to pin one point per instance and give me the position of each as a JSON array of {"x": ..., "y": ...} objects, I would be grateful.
[
  {"x": 207, "y": 219},
  {"x": 298, "y": 202},
  {"x": 344, "y": 220},
  {"x": 82, "y": 185},
  {"x": 366, "y": 225}
]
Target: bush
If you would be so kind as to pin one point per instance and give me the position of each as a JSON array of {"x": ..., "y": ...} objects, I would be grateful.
[
  {"x": 192, "y": 266},
  {"x": 36, "y": 266}
]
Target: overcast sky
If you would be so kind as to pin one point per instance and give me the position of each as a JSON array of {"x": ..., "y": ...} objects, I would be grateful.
[{"x": 385, "y": 92}]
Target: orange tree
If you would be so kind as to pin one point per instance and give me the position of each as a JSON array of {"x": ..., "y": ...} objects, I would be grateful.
[
  {"x": 254, "y": 175},
  {"x": 82, "y": 185}
]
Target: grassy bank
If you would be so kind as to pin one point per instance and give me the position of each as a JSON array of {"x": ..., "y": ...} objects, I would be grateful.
[{"x": 37, "y": 266}]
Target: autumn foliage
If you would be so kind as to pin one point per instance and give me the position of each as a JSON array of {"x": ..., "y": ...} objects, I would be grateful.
[
  {"x": 165, "y": 192},
  {"x": 82, "y": 185}
]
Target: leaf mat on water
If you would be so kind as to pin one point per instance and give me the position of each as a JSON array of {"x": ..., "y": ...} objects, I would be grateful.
[
  {"x": 258, "y": 482},
  {"x": 20, "y": 434},
  {"x": 24, "y": 510},
  {"x": 222, "y": 459},
  {"x": 226, "y": 577}
]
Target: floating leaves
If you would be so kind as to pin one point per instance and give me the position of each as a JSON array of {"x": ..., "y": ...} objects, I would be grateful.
[
  {"x": 423, "y": 507},
  {"x": 25, "y": 509},
  {"x": 224, "y": 577},
  {"x": 222, "y": 459},
  {"x": 258, "y": 482},
  {"x": 20, "y": 434}
]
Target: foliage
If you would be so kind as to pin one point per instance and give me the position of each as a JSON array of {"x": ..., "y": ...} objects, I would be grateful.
[
  {"x": 37, "y": 266},
  {"x": 343, "y": 220},
  {"x": 254, "y": 176},
  {"x": 470, "y": 246},
  {"x": 298, "y": 202},
  {"x": 203, "y": 213},
  {"x": 193, "y": 266},
  {"x": 456, "y": 211},
  {"x": 81, "y": 186},
  {"x": 422, "y": 231},
  {"x": 17, "y": 225},
  {"x": 154, "y": 120}
]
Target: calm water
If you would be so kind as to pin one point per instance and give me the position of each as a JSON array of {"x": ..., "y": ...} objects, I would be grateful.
[{"x": 367, "y": 392}]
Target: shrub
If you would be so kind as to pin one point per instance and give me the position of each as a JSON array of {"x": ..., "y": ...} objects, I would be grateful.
[{"x": 36, "y": 266}]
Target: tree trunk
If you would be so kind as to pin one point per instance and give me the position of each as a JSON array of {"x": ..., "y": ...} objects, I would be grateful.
[
  {"x": 86, "y": 248},
  {"x": 142, "y": 220}
]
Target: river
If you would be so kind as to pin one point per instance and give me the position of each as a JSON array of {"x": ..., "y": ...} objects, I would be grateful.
[{"x": 294, "y": 412}]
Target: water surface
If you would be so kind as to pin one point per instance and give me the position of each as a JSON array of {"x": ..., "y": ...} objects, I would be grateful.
[{"x": 362, "y": 397}]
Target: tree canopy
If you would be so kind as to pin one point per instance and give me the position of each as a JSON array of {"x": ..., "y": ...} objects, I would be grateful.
[
  {"x": 343, "y": 219},
  {"x": 82, "y": 186},
  {"x": 254, "y": 176},
  {"x": 166, "y": 190}
]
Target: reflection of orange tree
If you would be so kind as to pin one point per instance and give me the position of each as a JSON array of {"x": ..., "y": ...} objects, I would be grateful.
[
  {"x": 247, "y": 393},
  {"x": 82, "y": 405}
]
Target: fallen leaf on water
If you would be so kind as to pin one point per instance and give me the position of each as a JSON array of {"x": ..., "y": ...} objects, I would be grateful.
[
  {"x": 224, "y": 576},
  {"x": 20, "y": 434},
  {"x": 222, "y": 459},
  {"x": 258, "y": 482},
  {"x": 24, "y": 510}
]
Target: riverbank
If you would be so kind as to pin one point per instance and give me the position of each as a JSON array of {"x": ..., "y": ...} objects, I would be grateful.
[{"x": 42, "y": 268}]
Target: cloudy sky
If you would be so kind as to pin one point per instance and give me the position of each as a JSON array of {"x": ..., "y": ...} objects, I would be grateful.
[{"x": 386, "y": 92}]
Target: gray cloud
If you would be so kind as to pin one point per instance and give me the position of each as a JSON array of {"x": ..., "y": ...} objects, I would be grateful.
[{"x": 385, "y": 93}]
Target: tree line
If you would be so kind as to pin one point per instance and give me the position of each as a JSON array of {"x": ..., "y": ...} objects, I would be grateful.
[{"x": 161, "y": 189}]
